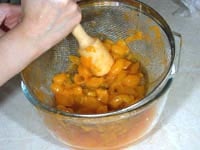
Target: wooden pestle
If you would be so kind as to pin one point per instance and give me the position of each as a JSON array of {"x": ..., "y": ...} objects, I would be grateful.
[{"x": 101, "y": 60}]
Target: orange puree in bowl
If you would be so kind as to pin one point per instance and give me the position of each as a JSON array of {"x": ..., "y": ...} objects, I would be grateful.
[
  {"x": 101, "y": 133},
  {"x": 84, "y": 93}
]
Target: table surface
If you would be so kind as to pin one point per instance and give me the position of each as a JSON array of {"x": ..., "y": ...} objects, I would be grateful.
[{"x": 178, "y": 129}]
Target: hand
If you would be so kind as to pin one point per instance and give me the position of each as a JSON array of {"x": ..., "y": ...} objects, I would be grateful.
[
  {"x": 43, "y": 24},
  {"x": 10, "y": 16},
  {"x": 46, "y": 22}
]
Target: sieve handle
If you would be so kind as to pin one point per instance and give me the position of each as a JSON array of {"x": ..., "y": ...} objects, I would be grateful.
[{"x": 176, "y": 65}]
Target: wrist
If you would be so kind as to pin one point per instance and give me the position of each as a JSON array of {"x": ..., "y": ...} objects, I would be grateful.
[
  {"x": 38, "y": 38},
  {"x": 17, "y": 50},
  {"x": 29, "y": 40}
]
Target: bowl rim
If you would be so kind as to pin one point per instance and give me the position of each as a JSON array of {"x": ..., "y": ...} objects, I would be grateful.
[{"x": 158, "y": 90}]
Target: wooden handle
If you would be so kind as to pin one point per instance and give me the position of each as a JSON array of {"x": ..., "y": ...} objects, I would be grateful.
[{"x": 82, "y": 37}]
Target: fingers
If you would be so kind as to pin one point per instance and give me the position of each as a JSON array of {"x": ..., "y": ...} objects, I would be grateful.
[
  {"x": 10, "y": 15},
  {"x": 73, "y": 13},
  {"x": 48, "y": 22},
  {"x": 14, "y": 16}
]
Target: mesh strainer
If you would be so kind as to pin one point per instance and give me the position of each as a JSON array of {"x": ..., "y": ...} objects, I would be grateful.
[{"x": 110, "y": 19}]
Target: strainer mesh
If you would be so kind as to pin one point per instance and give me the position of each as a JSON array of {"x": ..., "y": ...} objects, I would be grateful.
[{"x": 106, "y": 20}]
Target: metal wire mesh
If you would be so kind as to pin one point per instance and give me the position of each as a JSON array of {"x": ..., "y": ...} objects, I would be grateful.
[{"x": 113, "y": 20}]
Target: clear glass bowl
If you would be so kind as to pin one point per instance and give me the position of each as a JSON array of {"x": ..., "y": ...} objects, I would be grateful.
[{"x": 113, "y": 19}]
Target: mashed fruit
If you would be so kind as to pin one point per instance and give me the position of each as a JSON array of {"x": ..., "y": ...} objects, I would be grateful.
[{"x": 80, "y": 91}]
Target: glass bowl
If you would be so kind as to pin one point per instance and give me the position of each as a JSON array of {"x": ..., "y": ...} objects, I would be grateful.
[{"x": 113, "y": 19}]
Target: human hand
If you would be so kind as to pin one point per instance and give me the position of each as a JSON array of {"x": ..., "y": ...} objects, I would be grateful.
[
  {"x": 43, "y": 24},
  {"x": 10, "y": 16},
  {"x": 48, "y": 22}
]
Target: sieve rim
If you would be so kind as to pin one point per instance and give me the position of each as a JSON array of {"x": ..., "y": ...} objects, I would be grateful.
[{"x": 154, "y": 15}]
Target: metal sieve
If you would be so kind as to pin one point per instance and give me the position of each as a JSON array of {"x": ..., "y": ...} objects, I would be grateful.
[{"x": 108, "y": 19}]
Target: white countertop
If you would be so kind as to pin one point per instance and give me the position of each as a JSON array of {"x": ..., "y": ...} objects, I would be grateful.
[{"x": 178, "y": 129}]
